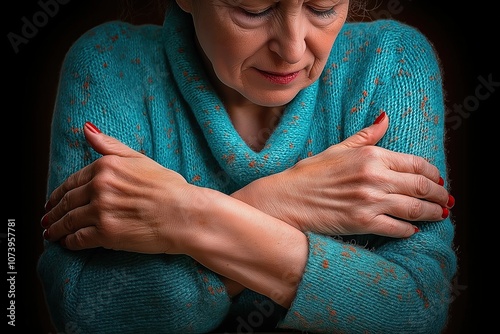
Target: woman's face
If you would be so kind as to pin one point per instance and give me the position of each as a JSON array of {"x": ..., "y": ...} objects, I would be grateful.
[{"x": 266, "y": 50}]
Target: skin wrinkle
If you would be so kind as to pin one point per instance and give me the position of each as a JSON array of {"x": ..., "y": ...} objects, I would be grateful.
[
  {"x": 253, "y": 236},
  {"x": 291, "y": 38}
]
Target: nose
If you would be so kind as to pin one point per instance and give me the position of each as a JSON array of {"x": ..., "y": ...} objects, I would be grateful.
[{"x": 288, "y": 40}]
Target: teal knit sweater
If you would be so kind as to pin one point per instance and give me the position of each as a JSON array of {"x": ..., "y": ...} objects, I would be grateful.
[{"x": 146, "y": 86}]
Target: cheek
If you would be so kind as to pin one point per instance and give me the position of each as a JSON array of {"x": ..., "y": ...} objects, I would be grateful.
[
  {"x": 321, "y": 44},
  {"x": 224, "y": 51},
  {"x": 320, "y": 49},
  {"x": 229, "y": 55}
]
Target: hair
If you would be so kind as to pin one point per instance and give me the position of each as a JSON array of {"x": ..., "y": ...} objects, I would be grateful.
[{"x": 358, "y": 10}]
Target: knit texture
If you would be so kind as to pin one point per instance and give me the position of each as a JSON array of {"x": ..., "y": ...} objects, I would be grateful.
[{"x": 146, "y": 86}]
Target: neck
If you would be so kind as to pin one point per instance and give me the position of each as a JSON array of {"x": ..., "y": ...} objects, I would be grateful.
[{"x": 253, "y": 122}]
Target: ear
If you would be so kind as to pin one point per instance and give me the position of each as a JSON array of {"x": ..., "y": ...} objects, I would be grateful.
[{"x": 186, "y": 5}]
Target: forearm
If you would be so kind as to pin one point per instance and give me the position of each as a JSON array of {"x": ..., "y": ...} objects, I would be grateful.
[
  {"x": 97, "y": 291},
  {"x": 252, "y": 198},
  {"x": 271, "y": 195},
  {"x": 392, "y": 288},
  {"x": 248, "y": 246}
]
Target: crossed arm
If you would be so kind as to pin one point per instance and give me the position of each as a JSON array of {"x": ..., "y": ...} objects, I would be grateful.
[{"x": 255, "y": 238}]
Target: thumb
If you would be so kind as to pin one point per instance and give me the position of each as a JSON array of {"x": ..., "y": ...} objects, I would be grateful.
[
  {"x": 369, "y": 135},
  {"x": 105, "y": 144}
]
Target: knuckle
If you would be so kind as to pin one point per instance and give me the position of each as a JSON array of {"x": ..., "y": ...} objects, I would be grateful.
[
  {"x": 365, "y": 173},
  {"x": 107, "y": 226},
  {"x": 415, "y": 209},
  {"x": 438, "y": 213},
  {"x": 370, "y": 198},
  {"x": 387, "y": 227},
  {"x": 419, "y": 164},
  {"x": 392, "y": 228},
  {"x": 103, "y": 204},
  {"x": 365, "y": 218},
  {"x": 97, "y": 184},
  {"x": 107, "y": 162},
  {"x": 78, "y": 241},
  {"x": 101, "y": 185},
  {"x": 370, "y": 152},
  {"x": 69, "y": 222},
  {"x": 422, "y": 186},
  {"x": 364, "y": 133},
  {"x": 65, "y": 203},
  {"x": 105, "y": 167},
  {"x": 66, "y": 185}
]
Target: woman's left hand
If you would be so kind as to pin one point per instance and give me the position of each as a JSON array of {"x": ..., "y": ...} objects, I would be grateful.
[
  {"x": 354, "y": 187},
  {"x": 123, "y": 201}
]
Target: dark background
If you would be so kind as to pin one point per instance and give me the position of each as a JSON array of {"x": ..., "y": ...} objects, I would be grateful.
[{"x": 464, "y": 36}]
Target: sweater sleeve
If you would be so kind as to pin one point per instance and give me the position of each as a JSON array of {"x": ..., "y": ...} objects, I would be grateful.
[
  {"x": 105, "y": 291},
  {"x": 371, "y": 284}
]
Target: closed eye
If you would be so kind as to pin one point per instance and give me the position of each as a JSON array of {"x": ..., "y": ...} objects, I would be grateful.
[
  {"x": 257, "y": 14},
  {"x": 323, "y": 12}
]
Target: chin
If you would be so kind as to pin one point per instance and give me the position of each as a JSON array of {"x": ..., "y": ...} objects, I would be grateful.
[{"x": 272, "y": 98}]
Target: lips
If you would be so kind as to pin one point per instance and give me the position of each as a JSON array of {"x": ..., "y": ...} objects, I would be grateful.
[{"x": 280, "y": 78}]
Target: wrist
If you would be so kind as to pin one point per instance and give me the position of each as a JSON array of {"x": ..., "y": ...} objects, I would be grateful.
[
  {"x": 246, "y": 245},
  {"x": 193, "y": 214},
  {"x": 206, "y": 218},
  {"x": 271, "y": 195}
]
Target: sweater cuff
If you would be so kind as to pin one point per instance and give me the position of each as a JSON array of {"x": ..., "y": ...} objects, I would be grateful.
[{"x": 324, "y": 295}]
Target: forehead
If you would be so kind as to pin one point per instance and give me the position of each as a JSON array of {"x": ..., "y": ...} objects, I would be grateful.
[{"x": 297, "y": 2}]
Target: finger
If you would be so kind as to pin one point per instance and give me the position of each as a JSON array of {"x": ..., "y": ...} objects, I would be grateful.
[
  {"x": 408, "y": 163},
  {"x": 74, "y": 181},
  {"x": 414, "y": 209},
  {"x": 70, "y": 223},
  {"x": 369, "y": 135},
  {"x": 85, "y": 238},
  {"x": 71, "y": 200},
  {"x": 106, "y": 145},
  {"x": 387, "y": 226},
  {"x": 417, "y": 186}
]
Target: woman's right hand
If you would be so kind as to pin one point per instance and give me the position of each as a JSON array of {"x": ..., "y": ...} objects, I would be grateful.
[
  {"x": 122, "y": 201},
  {"x": 354, "y": 187}
]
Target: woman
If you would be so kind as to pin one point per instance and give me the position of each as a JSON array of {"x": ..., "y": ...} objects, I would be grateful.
[{"x": 248, "y": 178}]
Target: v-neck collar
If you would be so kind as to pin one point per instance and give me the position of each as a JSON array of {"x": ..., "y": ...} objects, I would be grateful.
[{"x": 285, "y": 144}]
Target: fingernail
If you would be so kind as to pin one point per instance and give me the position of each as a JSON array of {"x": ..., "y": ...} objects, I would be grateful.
[
  {"x": 92, "y": 128},
  {"x": 47, "y": 206},
  {"x": 44, "y": 221},
  {"x": 380, "y": 118},
  {"x": 416, "y": 229},
  {"x": 451, "y": 201},
  {"x": 446, "y": 212},
  {"x": 441, "y": 181},
  {"x": 46, "y": 234}
]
